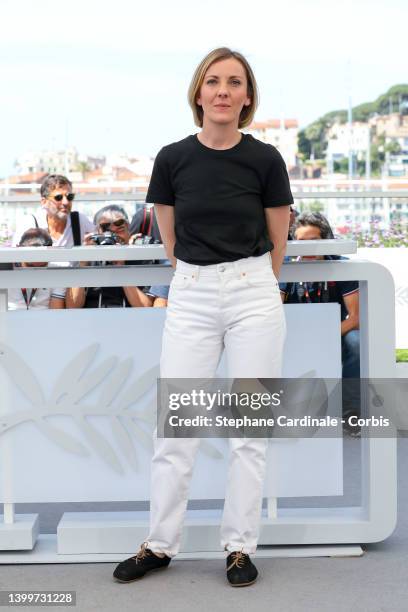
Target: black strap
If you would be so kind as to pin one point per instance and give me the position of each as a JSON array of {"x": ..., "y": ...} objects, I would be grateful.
[
  {"x": 27, "y": 299},
  {"x": 35, "y": 221},
  {"x": 76, "y": 228},
  {"x": 143, "y": 224},
  {"x": 147, "y": 222}
]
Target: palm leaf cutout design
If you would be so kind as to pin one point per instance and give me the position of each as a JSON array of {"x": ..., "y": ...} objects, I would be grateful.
[
  {"x": 139, "y": 388},
  {"x": 71, "y": 386},
  {"x": 21, "y": 375},
  {"x": 124, "y": 441},
  {"x": 72, "y": 372},
  {"x": 147, "y": 414},
  {"x": 101, "y": 447},
  {"x": 62, "y": 438},
  {"x": 143, "y": 437},
  {"x": 113, "y": 385},
  {"x": 87, "y": 383}
]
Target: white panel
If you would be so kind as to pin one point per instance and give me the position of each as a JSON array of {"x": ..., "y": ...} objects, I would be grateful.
[{"x": 64, "y": 437}]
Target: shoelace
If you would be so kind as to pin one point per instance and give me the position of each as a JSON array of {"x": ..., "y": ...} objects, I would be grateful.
[
  {"x": 238, "y": 559},
  {"x": 142, "y": 554}
]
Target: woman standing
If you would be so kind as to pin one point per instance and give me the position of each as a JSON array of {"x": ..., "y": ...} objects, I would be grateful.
[{"x": 222, "y": 202}]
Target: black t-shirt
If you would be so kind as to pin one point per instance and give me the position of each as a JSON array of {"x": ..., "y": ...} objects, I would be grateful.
[{"x": 219, "y": 197}]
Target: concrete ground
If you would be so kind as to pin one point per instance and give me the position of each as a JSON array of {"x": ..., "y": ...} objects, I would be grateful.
[{"x": 375, "y": 582}]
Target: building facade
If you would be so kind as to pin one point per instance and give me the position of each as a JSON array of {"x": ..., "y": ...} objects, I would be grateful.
[{"x": 282, "y": 134}]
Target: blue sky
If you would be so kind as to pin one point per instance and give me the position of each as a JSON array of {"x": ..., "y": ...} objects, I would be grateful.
[{"x": 112, "y": 76}]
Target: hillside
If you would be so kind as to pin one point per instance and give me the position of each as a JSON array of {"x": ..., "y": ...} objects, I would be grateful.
[{"x": 313, "y": 137}]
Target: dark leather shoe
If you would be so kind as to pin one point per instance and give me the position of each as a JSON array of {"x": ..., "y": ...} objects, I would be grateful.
[
  {"x": 240, "y": 569},
  {"x": 136, "y": 567}
]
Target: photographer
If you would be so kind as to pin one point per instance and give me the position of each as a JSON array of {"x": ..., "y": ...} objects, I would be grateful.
[
  {"x": 112, "y": 226},
  {"x": 65, "y": 227},
  {"x": 25, "y": 299}
]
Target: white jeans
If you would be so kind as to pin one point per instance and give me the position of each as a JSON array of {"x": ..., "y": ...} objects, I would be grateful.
[{"x": 236, "y": 306}]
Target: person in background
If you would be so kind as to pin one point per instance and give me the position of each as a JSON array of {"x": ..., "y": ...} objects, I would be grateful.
[
  {"x": 25, "y": 299},
  {"x": 144, "y": 222},
  {"x": 160, "y": 294},
  {"x": 292, "y": 219},
  {"x": 112, "y": 218},
  {"x": 65, "y": 227},
  {"x": 315, "y": 226}
]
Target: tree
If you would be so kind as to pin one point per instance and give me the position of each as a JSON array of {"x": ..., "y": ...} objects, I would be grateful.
[
  {"x": 313, "y": 139},
  {"x": 316, "y": 206},
  {"x": 393, "y": 147},
  {"x": 304, "y": 145},
  {"x": 83, "y": 167}
]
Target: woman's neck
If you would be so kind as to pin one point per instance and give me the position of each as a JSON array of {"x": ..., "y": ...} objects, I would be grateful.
[{"x": 219, "y": 136}]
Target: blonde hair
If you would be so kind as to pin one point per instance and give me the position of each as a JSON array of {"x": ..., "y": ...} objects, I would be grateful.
[{"x": 248, "y": 112}]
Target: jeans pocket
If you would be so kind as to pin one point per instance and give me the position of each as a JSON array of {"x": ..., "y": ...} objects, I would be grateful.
[
  {"x": 181, "y": 281},
  {"x": 262, "y": 278}
]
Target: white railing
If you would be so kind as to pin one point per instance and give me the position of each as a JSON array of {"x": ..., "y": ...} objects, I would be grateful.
[{"x": 154, "y": 251}]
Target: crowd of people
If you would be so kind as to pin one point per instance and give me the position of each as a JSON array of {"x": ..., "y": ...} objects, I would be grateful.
[{"x": 56, "y": 224}]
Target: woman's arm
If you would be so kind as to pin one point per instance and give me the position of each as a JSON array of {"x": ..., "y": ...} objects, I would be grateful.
[
  {"x": 165, "y": 220},
  {"x": 277, "y": 221}
]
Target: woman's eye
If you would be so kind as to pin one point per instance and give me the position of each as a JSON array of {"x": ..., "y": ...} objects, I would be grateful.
[
  {"x": 236, "y": 82},
  {"x": 211, "y": 81}
]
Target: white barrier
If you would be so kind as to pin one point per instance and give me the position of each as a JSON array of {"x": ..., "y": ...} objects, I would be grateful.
[
  {"x": 396, "y": 261},
  {"x": 63, "y": 440}
]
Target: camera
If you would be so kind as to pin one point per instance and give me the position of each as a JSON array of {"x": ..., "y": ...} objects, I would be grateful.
[
  {"x": 107, "y": 238},
  {"x": 141, "y": 239}
]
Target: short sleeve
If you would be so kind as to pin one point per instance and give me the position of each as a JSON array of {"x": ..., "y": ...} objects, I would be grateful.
[
  {"x": 161, "y": 291},
  {"x": 86, "y": 225},
  {"x": 160, "y": 188},
  {"x": 276, "y": 189},
  {"x": 59, "y": 293}
]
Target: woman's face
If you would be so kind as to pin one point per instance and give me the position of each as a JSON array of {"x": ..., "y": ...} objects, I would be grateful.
[{"x": 223, "y": 93}]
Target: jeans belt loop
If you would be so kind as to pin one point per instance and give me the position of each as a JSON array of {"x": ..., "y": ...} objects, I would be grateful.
[{"x": 237, "y": 268}]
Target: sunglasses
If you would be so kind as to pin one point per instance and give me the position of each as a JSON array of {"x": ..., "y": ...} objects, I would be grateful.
[
  {"x": 106, "y": 226},
  {"x": 59, "y": 197}
]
